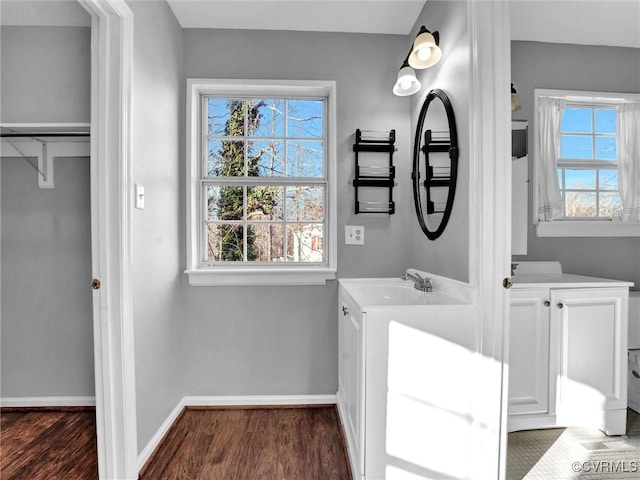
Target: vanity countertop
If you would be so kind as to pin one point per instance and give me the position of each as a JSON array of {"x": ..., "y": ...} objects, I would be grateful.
[
  {"x": 564, "y": 280},
  {"x": 550, "y": 275}
]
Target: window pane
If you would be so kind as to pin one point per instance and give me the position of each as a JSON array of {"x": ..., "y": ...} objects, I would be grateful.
[
  {"x": 225, "y": 117},
  {"x": 610, "y": 205},
  {"x": 605, "y": 147},
  {"x": 225, "y": 158},
  {"x": 576, "y": 146},
  {"x": 579, "y": 179},
  {"x": 305, "y": 158},
  {"x": 580, "y": 204},
  {"x": 560, "y": 170},
  {"x": 224, "y": 203},
  {"x": 265, "y": 243},
  {"x": 305, "y": 118},
  {"x": 605, "y": 120},
  {"x": 264, "y": 203},
  {"x": 608, "y": 179},
  {"x": 576, "y": 120},
  {"x": 267, "y": 118},
  {"x": 266, "y": 158},
  {"x": 224, "y": 242},
  {"x": 305, "y": 243},
  {"x": 305, "y": 203}
]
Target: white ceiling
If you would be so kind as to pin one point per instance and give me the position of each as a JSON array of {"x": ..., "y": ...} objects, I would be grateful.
[
  {"x": 361, "y": 16},
  {"x": 592, "y": 22}
]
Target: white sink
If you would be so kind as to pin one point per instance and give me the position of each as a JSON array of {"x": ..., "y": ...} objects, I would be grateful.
[{"x": 394, "y": 291}]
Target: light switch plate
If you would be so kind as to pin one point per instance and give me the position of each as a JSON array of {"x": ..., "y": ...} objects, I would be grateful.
[
  {"x": 139, "y": 196},
  {"x": 354, "y": 235}
]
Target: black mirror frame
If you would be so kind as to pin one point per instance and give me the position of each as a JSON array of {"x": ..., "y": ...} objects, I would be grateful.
[{"x": 453, "y": 156}]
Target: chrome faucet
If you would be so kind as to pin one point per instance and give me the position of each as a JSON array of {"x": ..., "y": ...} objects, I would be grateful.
[{"x": 419, "y": 283}]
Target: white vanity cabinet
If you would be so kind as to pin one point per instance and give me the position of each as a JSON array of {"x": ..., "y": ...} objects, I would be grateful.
[
  {"x": 406, "y": 376},
  {"x": 567, "y": 354},
  {"x": 351, "y": 351}
]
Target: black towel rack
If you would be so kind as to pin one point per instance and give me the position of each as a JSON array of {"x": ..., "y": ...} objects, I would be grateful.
[{"x": 381, "y": 176}]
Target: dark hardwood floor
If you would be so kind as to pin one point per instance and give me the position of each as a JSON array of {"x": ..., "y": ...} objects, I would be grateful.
[
  {"x": 48, "y": 444},
  {"x": 252, "y": 444},
  {"x": 209, "y": 444}
]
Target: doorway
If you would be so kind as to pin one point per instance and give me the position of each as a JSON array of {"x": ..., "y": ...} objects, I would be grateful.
[{"x": 47, "y": 312}]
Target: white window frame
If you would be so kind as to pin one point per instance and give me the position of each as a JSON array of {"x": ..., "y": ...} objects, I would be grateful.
[
  {"x": 570, "y": 227},
  {"x": 247, "y": 273}
]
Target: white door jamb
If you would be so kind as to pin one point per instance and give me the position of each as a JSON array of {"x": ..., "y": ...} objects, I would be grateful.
[{"x": 111, "y": 197}]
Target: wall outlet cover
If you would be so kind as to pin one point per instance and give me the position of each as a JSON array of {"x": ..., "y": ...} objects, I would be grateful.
[
  {"x": 139, "y": 196},
  {"x": 354, "y": 235}
]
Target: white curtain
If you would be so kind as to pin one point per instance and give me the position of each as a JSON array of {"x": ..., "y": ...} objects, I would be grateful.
[
  {"x": 629, "y": 160},
  {"x": 549, "y": 117}
]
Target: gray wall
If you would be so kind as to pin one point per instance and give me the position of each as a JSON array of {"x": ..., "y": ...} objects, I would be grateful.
[
  {"x": 283, "y": 340},
  {"x": 47, "y": 343},
  {"x": 158, "y": 230},
  {"x": 449, "y": 254},
  {"x": 576, "y": 67},
  {"x": 46, "y": 74},
  {"x": 47, "y": 332}
]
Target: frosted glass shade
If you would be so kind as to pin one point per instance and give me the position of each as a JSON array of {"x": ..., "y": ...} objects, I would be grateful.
[
  {"x": 425, "y": 52},
  {"x": 515, "y": 102},
  {"x": 407, "y": 83}
]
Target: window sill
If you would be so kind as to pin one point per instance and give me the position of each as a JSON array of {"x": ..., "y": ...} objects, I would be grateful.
[
  {"x": 586, "y": 228},
  {"x": 220, "y": 277}
]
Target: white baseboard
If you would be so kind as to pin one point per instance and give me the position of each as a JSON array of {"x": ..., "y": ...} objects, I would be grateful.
[
  {"x": 259, "y": 400},
  {"x": 223, "y": 401},
  {"x": 48, "y": 401}
]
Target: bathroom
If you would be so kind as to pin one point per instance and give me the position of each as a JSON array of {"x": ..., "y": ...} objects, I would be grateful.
[{"x": 207, "y": 343}]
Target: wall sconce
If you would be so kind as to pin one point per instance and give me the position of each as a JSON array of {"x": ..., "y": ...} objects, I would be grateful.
[
  {"x": 407, "y": 83},
  {"x": 424, "y": 53},
  {"x": 515, "y": 100}
]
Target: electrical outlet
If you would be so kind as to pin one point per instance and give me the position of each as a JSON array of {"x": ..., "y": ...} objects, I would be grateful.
[{"x": 354, "y": 235}]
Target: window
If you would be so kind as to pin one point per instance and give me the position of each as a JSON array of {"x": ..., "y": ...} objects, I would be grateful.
[
  {"x": 577, "y": 142},
  {"x": 588, "y": 163},
  {"x": 261, "y": 190}
]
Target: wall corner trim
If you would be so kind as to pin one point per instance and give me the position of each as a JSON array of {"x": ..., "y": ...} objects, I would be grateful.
[{"x": 230, "y": 401}]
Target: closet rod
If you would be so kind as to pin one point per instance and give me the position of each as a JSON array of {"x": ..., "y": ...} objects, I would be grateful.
[{"x": 44, "y": 135}]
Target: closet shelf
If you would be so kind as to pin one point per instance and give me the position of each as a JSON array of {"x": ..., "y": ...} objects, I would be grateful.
[
  {"x": 44, "y": 130},
  {"x": 45, "y": 141}
]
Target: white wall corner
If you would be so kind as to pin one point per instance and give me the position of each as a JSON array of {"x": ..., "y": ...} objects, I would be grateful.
[{"x": 147, "y": 451}]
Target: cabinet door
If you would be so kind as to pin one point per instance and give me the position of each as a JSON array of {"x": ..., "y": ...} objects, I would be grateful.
[
  {"x": 589, "y": 353},
  {"x": 351, "y": 375},
  {"x": 529, "y": 352}
]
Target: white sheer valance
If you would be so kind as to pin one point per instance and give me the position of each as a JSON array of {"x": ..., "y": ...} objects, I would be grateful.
[
  {"x": 549, "y": 200},
  {"x": 629, "y": 160}
]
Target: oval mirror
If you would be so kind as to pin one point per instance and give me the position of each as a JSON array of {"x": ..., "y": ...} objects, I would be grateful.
[{"x": 435, "y": 163}]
